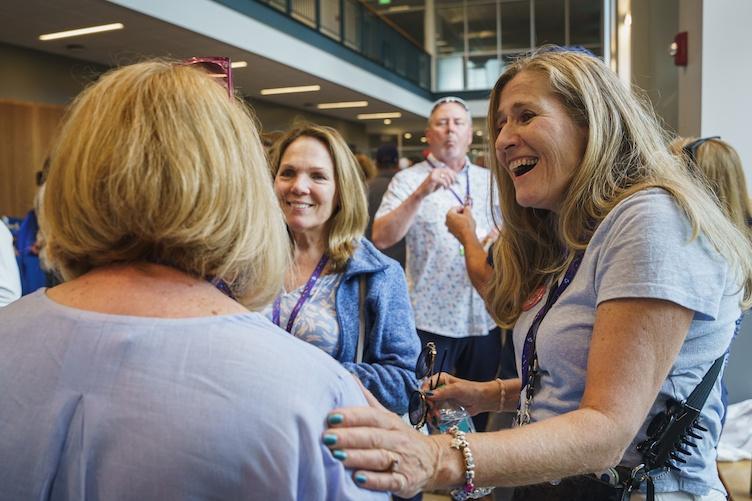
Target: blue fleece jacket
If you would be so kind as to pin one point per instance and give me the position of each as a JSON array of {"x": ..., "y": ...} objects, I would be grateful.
[{"x": 392, "y": 345}]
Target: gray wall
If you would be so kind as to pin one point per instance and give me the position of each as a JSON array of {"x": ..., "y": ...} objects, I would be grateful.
[
  {"x": 30, "y": 75},
  {"x": 654, "y": 25},
  {"x": 34, "y": 76},
  {"x": 274, "y": 117}
]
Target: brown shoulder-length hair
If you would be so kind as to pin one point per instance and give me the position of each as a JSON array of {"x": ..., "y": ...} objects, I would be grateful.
[
  {"x": 349, "y": 220},
  {"x": 626, "y": 152},
  {"x": 155, "y": 163}
]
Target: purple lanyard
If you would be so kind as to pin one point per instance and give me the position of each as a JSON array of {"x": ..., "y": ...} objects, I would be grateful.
[
  {"x": 276, "y": 309},
  {"x": 529, "y": 353},
  {"x": 468, "y": 200}
]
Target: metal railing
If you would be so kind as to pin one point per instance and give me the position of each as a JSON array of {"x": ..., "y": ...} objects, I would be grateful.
[{"x": 359, "y": 28}]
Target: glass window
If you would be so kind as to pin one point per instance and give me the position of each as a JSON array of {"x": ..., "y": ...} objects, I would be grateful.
[
  {"x": 585, "y": 23},
  {"x": 449, "y": 73},
  {"x": 549, "y": 22},
  {"x": 352, "y": 25},
  {"x": 305, "y": 11},
  {"x": 482, "y": 72},
  {"x": 450, "y": 29},
  {"x": 481, "y": 27},
  {"x": 515, "y": 26},
  {"x": 278, "y": 4},
  {"x": 329, "y": 11}
]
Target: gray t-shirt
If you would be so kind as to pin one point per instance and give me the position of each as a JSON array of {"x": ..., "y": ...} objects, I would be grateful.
[
  {"x": 99, "y": 406},
  {"x": 642, "y": 249}
]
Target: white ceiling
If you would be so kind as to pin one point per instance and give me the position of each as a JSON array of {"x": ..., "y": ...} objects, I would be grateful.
[{"x": 22, "y": 21}]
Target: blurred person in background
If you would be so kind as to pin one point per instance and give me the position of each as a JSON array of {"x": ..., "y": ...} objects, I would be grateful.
[
  {"x": 35, "y": 272},
  {"x": 366, "y": 165},
  {"x": 10, "y": 280},
  {"x": 387, "y": 163},
  {"x": 718, "y": 164}
]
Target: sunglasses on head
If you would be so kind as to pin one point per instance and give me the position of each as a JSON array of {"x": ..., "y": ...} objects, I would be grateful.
[
  {"x": 450, "y": 99},
  {"x": 690, "y": 149},
  {"x": 417, "y": 409},
  {"x": 217, "y": 67}
]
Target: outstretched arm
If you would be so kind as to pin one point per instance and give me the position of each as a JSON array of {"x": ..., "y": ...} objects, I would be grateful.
[{"x": 619, "y": 392}]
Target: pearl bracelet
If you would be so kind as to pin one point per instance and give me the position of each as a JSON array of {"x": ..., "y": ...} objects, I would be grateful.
[{"x": 469, "y": 490}]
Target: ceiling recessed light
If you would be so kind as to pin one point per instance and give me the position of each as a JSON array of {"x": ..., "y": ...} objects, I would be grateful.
[
  {"x": 408, "y": 135},
  {"x": 238, "y": 64},
  {"x": 343, "y": 104},
  {"x": 379, "y": 116},
  {"x": 387, "y": 121},
  {"x": 423, "y": 139},
  {"x": 290, "y": 90},
  {"x": 81, "y": 31},
  {"x": 479, "y": 133}
]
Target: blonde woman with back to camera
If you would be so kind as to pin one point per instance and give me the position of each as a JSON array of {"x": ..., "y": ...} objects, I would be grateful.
[
  {"x": 623, "y": 281},
  {"x": 137, "y": 378}
]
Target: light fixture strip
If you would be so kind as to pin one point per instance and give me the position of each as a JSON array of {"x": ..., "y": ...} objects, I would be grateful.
[
  {"x": 290, "y": 90},
  {"x": 379, "y": 116},
  {"x": 238, "y": 64},
  {"x": 82, "y": 31},
  {"x": 343, "y": 104}
]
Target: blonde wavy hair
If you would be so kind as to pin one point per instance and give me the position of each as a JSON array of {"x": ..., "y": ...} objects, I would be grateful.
[
  {"x": 626, "y": 152},
  {"x": 349, "y": 220},
  {"x": 155, "y": 163},
  {"x": 718, "y": 164}
]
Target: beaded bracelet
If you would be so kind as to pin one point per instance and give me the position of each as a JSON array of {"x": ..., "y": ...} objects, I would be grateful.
[
  {"x": 469, "y": 490},
  {"x": 502, "y": 395}
]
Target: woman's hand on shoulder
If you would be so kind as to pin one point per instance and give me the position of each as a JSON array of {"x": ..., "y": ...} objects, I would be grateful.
[{"x": 385, "y": 453}]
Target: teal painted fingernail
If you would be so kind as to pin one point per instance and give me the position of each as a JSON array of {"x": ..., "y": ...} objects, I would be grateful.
[
  {"x": 341, "y": 455},
  {"x": 330, "y": 439},
  {"x": 335, "y": 419},
  {"x": 360, "y": 479}
]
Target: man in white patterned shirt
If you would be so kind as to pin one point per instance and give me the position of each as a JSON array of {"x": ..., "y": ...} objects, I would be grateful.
[{"x": 448, "y": 310}]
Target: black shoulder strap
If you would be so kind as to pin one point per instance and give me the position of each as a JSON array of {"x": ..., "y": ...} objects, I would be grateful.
[{"x": 669, "y": 432}]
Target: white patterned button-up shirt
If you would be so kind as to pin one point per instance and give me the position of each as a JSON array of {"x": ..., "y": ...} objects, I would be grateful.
[{"x": 443, "y": 298}]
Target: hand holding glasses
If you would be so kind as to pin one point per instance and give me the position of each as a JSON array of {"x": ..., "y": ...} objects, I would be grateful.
[{"x": 418, "y": 407}]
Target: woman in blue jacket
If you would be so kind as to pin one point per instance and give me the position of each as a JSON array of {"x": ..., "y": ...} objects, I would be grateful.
[{"x": 339, "y": 279}]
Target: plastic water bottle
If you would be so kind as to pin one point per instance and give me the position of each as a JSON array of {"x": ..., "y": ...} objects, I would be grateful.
[{"x": 451, "y": 413}]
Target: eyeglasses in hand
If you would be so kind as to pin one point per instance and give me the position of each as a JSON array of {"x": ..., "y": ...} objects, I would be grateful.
[{"x": 418, "y": 407}]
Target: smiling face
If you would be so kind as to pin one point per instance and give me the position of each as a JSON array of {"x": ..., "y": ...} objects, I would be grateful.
[
  {"x": 305, "y": 186},
  {"x": 538, "y": 143},
  {"x": 449, "y": 132}
]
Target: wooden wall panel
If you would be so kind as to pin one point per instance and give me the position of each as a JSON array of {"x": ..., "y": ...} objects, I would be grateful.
[{"x": 27, "y": 131}]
